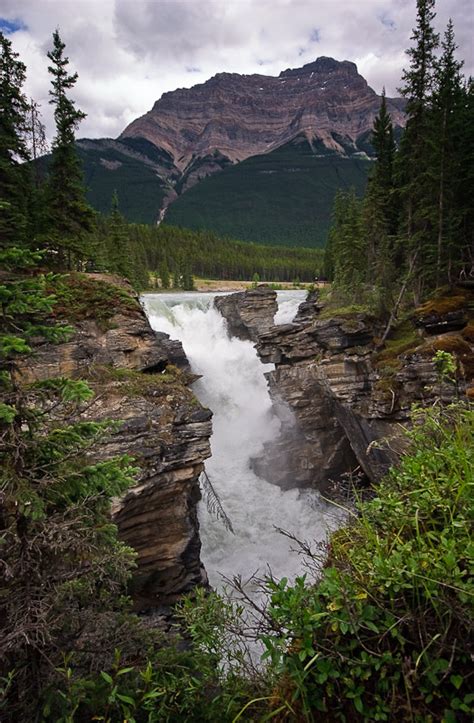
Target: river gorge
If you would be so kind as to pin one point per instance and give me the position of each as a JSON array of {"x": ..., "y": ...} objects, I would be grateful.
[{"x": 232, "y": 384}]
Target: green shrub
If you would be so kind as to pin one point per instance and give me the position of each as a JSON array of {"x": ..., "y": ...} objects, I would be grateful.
[
  {"x": 183, "y": 680},
  {"x": 385, "y": 633}
]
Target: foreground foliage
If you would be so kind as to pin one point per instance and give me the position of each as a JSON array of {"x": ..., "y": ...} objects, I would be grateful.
[
  {"x": 386, "y": 634},
  {"x": 63, "y": 570}
]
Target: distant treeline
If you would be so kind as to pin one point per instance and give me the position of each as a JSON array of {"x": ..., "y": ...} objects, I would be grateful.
[{"x": 135, "y": 250}]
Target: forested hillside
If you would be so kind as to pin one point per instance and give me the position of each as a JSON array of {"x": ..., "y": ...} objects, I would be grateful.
[
  {"x": 284, "y": 197},
  {"x": 171, "y": 254}
]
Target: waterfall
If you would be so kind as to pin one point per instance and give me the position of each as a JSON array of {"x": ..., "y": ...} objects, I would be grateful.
[
  {"x": 234, "y": 387},
  {"x": 288, "y": 302}
]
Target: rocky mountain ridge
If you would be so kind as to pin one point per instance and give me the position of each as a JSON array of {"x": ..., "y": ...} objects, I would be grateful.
[
  {"x": 239, "y": 116},
  {"x": 324, "y": 108}
]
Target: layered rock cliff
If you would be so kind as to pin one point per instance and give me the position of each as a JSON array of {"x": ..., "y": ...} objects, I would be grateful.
[
  {"x": 237, "y": 116},
  {"x": 348, "y": 394},
  {"x": 135, "y": 375},
  {"x": 249, "y": 315}
]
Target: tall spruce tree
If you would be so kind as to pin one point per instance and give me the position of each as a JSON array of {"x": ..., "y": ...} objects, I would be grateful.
[
  {"x": 378, "y": 207},
  {"x": 346, "y": 254},
  {"x": 446, "y": 150},
  {"x": 69, "y": 217},
  {"x": 15, "y": 180},
  {"x": 118, "y": 255},
  {"x": 413, "y": 160},
  {"x": 384, "y": 145},
  {"x": 465, "y": 188}
]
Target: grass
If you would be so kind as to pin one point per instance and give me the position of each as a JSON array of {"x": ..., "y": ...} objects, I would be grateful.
[
  {"x": 348, "y": 311},
  {"x": 403, "y": 339},
  {"x": 79, "y": 297},
  {"x": 139, "y": 384}
]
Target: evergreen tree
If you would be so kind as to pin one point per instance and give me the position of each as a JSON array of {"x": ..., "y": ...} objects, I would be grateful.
[
  {"x": 36, "y": 136},
  {"x": 187, "y": 281},
  {"x": 164, "y": 275},
  {"x": 378, "y": 206},
  {"x": 15, "y": 180},
  {"x": 465, "y": 186},
  {"x": 413, "y": 160},
  {"x": 347, "y": 257},
  {"x": 69, "y": 217},
  {"x": 446, "y": 114},
  {"x": 384, "y": 145},
  {"x": 119, "y": 257}
]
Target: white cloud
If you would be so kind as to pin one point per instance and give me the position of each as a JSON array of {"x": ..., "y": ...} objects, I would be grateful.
[{"x": 128, "y": 52}]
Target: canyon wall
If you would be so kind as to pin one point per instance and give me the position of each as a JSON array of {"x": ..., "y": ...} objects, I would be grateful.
[
  {"x": 349, "y": 396},
  {"x": 141, "y": 378}
]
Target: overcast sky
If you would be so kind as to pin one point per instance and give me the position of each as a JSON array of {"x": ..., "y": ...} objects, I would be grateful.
[{"x": 128, "y": 52}]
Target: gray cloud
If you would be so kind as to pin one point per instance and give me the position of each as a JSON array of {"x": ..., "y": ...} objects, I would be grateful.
[{"x": 128, "y": 52}]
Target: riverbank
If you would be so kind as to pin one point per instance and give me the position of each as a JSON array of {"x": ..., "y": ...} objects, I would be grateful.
[{"x": 219, "y": 285}]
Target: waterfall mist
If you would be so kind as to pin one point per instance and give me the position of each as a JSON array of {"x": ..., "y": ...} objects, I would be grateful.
[{"x": 234, "y": 387}]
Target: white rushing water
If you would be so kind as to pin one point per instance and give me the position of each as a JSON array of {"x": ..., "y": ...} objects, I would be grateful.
[
  {"x": 288, "y": 302},
  {"x": 234, "y": 387}
]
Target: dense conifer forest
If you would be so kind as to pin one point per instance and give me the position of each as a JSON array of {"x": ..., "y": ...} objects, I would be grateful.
[
  {"x": 385, "y": 633},
  {"x": 413, "y": 231}
]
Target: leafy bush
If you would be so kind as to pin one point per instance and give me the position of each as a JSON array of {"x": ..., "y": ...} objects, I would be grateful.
[
  {"x": 183, "y": 680},
  {"x": 385, "y": 634}
]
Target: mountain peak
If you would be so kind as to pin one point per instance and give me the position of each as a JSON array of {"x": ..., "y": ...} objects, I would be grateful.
[
  {"x": 322, "y": 65},
  {"x": 237, "y": 116}
]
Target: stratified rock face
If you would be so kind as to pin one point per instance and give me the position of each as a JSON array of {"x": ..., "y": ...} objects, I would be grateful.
[
  {"x": 167, "y": 432},
  {"x": 165, "y": 429},
  {"x": 250, "y": 313},
  {"x": 312, "y": 447},
  {"x": 336, "y": 381},
  {"x": 341, "y": 399},
  {"x": 234, "y": 116}
]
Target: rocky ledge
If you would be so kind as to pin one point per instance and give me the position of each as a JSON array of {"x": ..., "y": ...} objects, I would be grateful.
[
  {"x": 348, "y": 395},
  {"x": 135, "y": 375},
  {"x": 248, "y": 315}
]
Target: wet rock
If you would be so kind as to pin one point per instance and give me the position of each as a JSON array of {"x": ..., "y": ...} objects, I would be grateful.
[{"x": 248, "y": 313}]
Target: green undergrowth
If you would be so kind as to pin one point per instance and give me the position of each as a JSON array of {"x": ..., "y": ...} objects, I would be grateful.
[
  {"x": 137, "y": 383},
  {"x": 345, "y": 311},
  {"x": 386, "y": 633},
  {"x": 403, "y": 339},
  {"x": 79, "y": 297}
]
